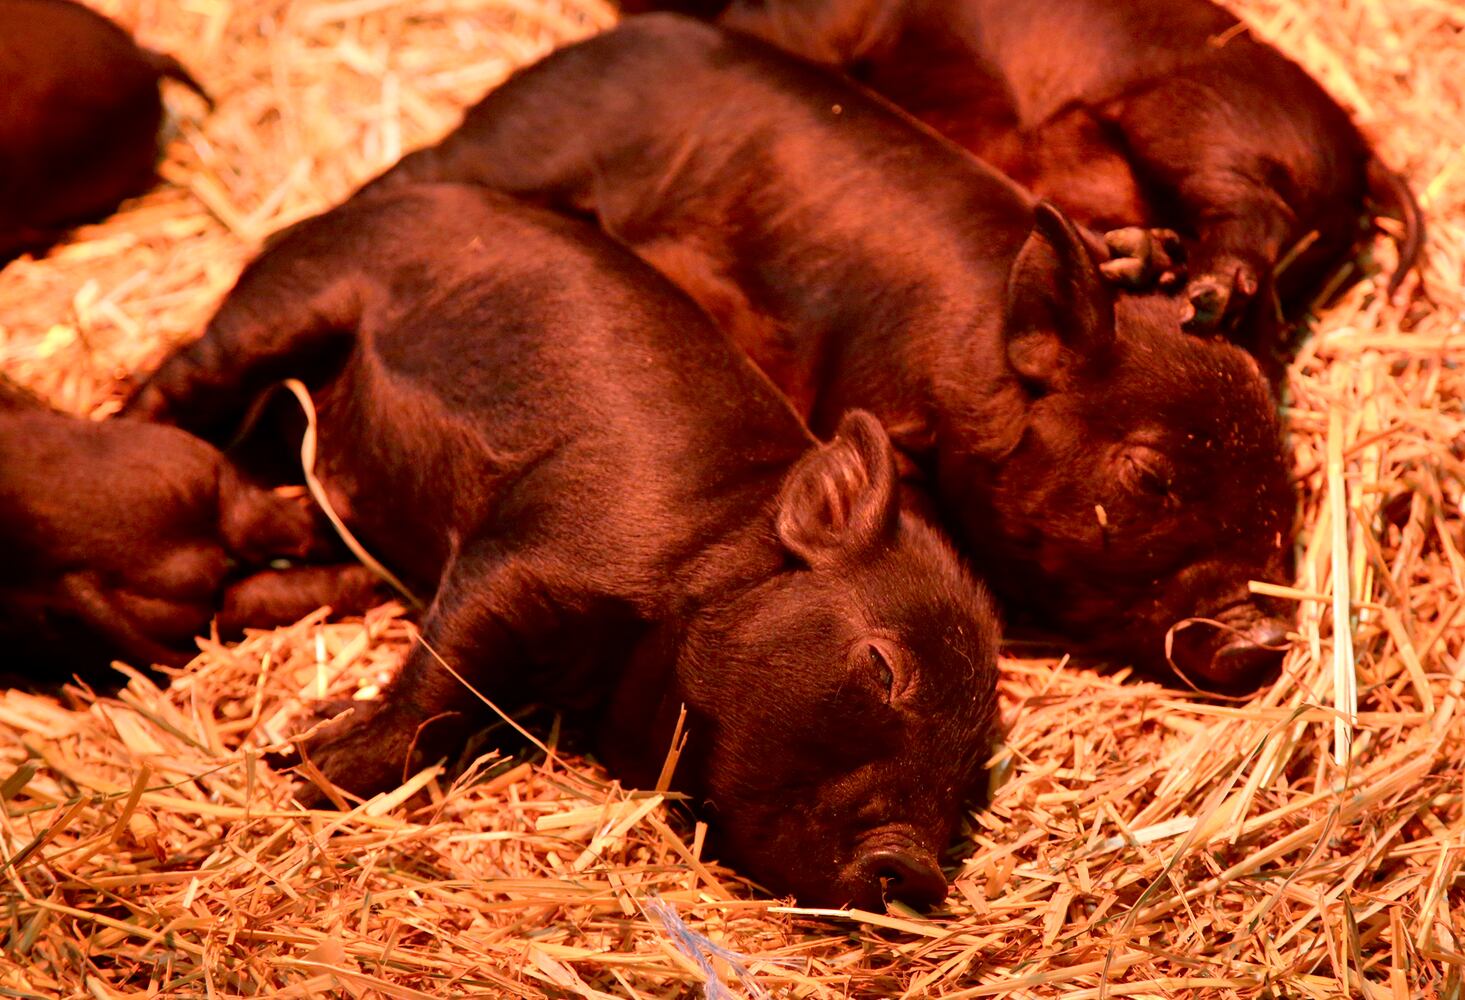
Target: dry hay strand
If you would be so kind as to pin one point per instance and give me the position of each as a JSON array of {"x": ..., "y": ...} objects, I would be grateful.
[{"x": 1139, "y": 841}]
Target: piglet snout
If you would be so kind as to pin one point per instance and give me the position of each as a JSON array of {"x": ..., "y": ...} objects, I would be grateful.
[
  {"x": 1255, "y": 654},
  {"x": 1234, "y": 657},
  {"x": 905, "y": 873}
]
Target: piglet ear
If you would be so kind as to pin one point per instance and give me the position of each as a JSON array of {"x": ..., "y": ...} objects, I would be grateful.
[
  {"x": 1060, "y": 311},
  {"x": 840, "y": 497}
]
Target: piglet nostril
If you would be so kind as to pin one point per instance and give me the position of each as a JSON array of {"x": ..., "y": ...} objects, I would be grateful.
[
  {"x": 1249, "y": 659},
  {"x": 1270, "y": 632},
  {"x": 1222, "y": 657},
  {"x": 906, "y": 876}
]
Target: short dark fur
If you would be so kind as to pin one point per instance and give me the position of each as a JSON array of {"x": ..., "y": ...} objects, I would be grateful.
[
  {"x": 123, "y": 539},
  {"x": 612, "y": 505},
  {"x": 1124, "y": 112},
  {"x": 1110, "y": 473},
  {"x": 79, "y": 118}
]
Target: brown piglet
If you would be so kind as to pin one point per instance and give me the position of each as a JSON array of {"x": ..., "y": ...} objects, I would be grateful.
[{"x": 614, "y": 513}]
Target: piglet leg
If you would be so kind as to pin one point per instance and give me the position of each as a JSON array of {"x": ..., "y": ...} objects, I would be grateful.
[
  {"x": 118, "y": 620},
  {"x": 1142, "y": 259},
  {"x": 257, "y": 526},
  {"x": 1223, "y": 288},
  {"x": 484, "y": 614},
  {"x": 282, "y": 320},
  {"x": 276, "y": 597},
  {"x": 1217, "y": 174}
]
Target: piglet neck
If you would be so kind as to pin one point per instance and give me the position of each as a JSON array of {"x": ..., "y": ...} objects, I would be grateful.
[
  {"x": 745, "y": 557},
  {"x": 645, "y": 707},
  {"x": 983, "y": 407}
]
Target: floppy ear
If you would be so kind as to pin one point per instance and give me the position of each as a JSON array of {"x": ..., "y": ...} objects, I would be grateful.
[
  {"x": 1060, "y": 311},
  {"x": 840, "y": 497}
]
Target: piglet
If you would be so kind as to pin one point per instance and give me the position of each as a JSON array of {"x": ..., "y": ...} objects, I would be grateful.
[
  {"x": 615, "y": 513},
  {"x": 1126, "y": 113},
  {"x": 123, "y": 539},
  {"x": 1112, "y": 476},
  {"x": 79, "y": 118}
]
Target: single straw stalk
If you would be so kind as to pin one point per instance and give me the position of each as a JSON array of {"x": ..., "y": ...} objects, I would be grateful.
[{"x": 1345, "y": 669}]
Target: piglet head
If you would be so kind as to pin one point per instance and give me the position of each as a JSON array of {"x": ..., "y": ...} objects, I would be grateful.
[
  {"x": 1144, "y": 482},
  {"x": 843, "y": 708}
]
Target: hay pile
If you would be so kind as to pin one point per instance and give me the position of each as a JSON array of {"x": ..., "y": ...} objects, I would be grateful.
[{"x": 1307, "y": 842}]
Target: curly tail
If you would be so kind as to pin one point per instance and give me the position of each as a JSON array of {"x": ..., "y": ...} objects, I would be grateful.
[
  {"x": 1391, "y": 194},
  {"x": 166, "y": 66}
]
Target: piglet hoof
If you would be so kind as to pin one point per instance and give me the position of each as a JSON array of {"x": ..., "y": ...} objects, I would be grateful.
[
  {"x": 362, "y": 752},
  {"x": 1205, "y": 305},
  {"x": 1216, "y": 297},
  {"x": 1169, "y": 259},
  {"x": 1126, "y": 272},
  {"x": 1141, "y": 259}
]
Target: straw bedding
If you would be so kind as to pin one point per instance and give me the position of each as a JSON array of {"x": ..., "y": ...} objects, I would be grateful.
[{"x": 1140, "y": 841}]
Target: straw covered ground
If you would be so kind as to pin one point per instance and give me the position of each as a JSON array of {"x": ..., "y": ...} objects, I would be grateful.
[{"x": 1140, "y": 840}]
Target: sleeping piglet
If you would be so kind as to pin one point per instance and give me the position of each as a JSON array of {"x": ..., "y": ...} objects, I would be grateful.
[
  {"x": 1112, "y": 476},
  {"x": 123, "y": 539},
  {"x": 614, "y": 512},
  {"x": 79, "y": 118},
  {"x": 1124, "y": 113}
]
